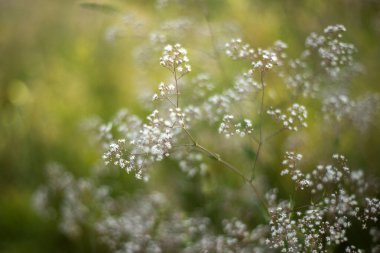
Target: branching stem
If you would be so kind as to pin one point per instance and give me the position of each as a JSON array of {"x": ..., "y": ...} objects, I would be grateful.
[
  {"x": 176, "y": 87},
  {"x": 260, "y": 140},
  {"x": 216, "y": 156},
  {"x": 269, "y": 137}
]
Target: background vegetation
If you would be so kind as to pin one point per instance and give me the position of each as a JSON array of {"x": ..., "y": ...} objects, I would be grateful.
[{"x": 58, "y": 66}]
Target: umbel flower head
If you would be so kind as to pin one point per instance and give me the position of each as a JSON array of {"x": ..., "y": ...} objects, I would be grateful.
[
  {"x": 175, "y": 59},
  {"x": 293, "y": 119}
]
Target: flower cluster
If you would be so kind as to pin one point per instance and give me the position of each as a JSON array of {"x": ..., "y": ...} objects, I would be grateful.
[
  {"x": 299, "y": 79},
  {"x": 139, "y": 147},
  {"x": 283, "y": 231},
  {"x": 261, "y": 59},
  {"x": 338, "y": 107},
  {"x": 156, "y": 137},
  {"x": 237, "y": 50},
  {"x": 366, "y": 111},
  {"x": 138, "y": 224},
  {"x": 353, "y": 249},
  {"x": 202, "y": 84},
  {"x": 308, "y": 231},
  {"x": 291, "y": 167},
  {"x": 228, "y": 128},
  {"x": 266, "y": 59},
  {"x": 238, "y": 238},
  {"x": 336, "y": 196},
  {"x": 333, "y": 53},
  {"x": 134, "y": 224},
  {"x": 245, "y": 84},
  {"x": 326, "y": 220},
  {"x": 191, "y": 163},
  {"x": 218, "y": 105},
  {"x": 151, "y": 143},
  {"x": 165, "y": 90},
  {"x": 145, "y": 223},
  {"x": 124, "y": 125},
  {"x": 360, "y": 112},
  {"x": 323, "y": 176},
  {"x": 371, "y": 211},
  {"x": 175, "y": 59},
  {"x": 294, "y": 119},
  {"x": 80, "y": 200},
  {"x": 333, "y": 58}
]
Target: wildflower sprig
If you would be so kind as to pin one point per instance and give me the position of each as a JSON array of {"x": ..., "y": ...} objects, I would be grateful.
[
  {"x": 325, "y": 222},
  {"x": 171, "y": 64},
  {"x": 175, "y": 59},
  {"x": 294, "y": 119},
  {"x": 167, "y": 131},
  {"x": 337, "y": 197}
]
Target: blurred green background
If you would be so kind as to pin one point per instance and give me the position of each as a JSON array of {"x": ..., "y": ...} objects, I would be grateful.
[{"x": 57, "y": 68}]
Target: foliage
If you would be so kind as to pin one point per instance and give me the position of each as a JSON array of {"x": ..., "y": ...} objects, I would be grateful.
[{"x": 230, "y": 152}]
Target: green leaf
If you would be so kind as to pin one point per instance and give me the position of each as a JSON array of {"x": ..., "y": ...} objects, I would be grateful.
[
  {"x": 102, "y": 7},
  {"x": 249, "y": 151}
]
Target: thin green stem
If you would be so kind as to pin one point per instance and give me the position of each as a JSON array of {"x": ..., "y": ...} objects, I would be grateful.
[
  {"x": 274, "y": 134},
  {"x": 176, "y": 87},
  {"x": 217, "y": 157},
  {"x": 260, "y": 140},
  {"x": 214, "y": 47},
  {"x": 256, "y": 158},
  {"x": 170, "y": 101},
  {"x": 214, "y": 155},
  {"x": 235, "y": 170},
  {"x": 255, "y": 139},
  {"x": 184, "y": 145},
  {"x": 188, "y": 133}
]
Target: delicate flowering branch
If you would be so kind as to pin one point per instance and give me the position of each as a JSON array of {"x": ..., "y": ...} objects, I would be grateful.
[
  {"x": 167, "y": 61},
  {"x": 337, "y": 196}
]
